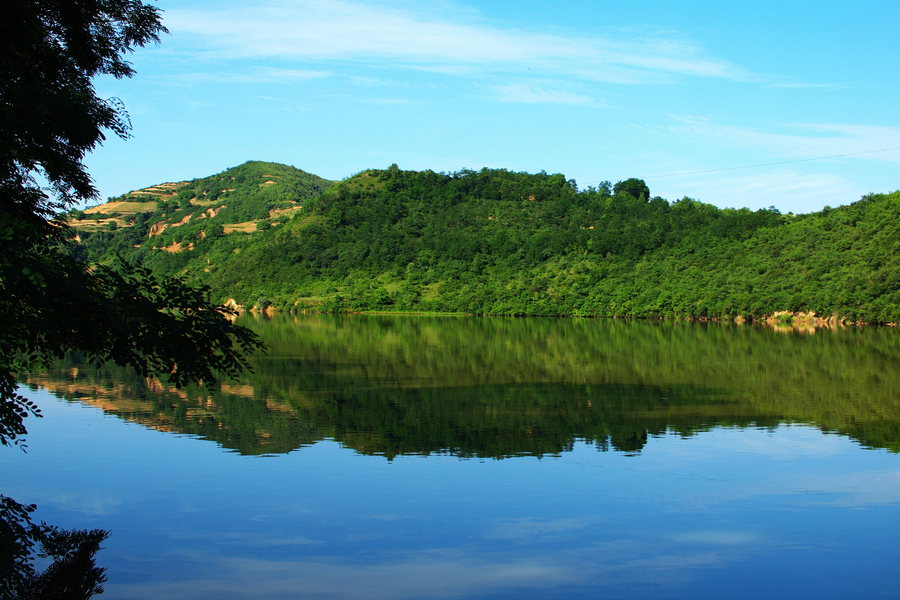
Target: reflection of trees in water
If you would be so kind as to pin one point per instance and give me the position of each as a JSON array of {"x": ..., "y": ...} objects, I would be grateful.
[
  {"x": 502, "y": 421},
  {"x": 505, "y": 387},
  {"x": 845, "y": 381},
  {"x": 73, "y": 573},
  {"x": 494, "y": 421}
]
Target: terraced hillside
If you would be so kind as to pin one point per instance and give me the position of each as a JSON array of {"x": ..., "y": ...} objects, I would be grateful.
[{"x": 178, "y": 215}]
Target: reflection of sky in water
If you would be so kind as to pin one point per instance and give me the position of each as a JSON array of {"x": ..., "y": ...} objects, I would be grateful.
[{"x": 727, "y": 513}]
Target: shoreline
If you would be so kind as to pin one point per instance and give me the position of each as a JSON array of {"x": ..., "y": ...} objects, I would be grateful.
[{"x": 779, "y": 320}]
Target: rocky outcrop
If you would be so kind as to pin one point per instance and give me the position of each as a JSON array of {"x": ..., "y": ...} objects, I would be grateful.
[
  {"x": 233, "y": 305},
  {"x": 157, "y": 228}
]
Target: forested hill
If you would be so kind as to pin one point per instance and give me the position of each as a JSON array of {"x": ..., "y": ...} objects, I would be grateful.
[{"x": 498, "y": 242}]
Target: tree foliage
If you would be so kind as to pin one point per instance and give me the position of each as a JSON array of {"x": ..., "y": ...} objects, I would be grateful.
[
  {"x": 636, "y": 188},
  {"x": 50, "y": 51},
  {"x": 52, "y": 302},
  {"x": 72, "y": 574}
]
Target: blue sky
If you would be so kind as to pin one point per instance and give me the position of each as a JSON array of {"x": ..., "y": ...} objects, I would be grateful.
[{"x": 681, "y": 94}]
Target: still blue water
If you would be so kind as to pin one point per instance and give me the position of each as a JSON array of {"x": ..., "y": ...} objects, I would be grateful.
[
  {"x": 737, "y": 513},
  {"x": 781, "y": 511}
]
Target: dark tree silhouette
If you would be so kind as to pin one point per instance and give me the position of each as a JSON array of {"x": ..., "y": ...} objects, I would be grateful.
[{"x": 51, "y": 302}]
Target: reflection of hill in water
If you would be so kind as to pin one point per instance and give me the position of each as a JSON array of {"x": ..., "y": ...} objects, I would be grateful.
[
  {"x": 231, "y": 416},
  {"x": 503, "y": 387}
]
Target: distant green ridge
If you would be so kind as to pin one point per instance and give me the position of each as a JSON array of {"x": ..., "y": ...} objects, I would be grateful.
[{"x": 499, "y": 242}]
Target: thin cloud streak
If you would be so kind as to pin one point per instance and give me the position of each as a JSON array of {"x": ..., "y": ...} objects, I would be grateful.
[
  {"x": 252, "y": 76},
  {"x": 808, "y": 191},
  {"x": 823, "y": 140},
  {"x": 339, "y": 30},
  {"x": 527, "y": 94}
]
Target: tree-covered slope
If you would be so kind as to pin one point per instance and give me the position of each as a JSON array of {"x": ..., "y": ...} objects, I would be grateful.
[{"x": 498, "y": 242}]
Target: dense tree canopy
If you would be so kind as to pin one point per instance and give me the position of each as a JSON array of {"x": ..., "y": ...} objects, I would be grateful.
[
  {"x": 636, "y": 188},
  {"x": 505, "y": 243}
]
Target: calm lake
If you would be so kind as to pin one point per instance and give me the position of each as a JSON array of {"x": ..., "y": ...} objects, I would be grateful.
[{"x": 441, "y": 457}]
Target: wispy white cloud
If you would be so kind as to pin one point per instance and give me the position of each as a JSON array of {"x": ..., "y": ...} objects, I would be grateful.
[
  {"x": 787, "y": 189},
  {"x": 363, "y": 81},
  {"x": 528, "y": 94},
  {"x": 424, "y": 577},
  {"x": 251, "y": 76},
  {"x": 853, "y": 489},
  {"x": 812, "y": 141},
  {"x": 377, "y": 33},
  {"x": 798, "y": 167},
  {"x": 529, "y": 528},
  {"x": 718, "y": 538},
  {"x": 387, "y": 101},
  {"x": 800, "y": 85}
]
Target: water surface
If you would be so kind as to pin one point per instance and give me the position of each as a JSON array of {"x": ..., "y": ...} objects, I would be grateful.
[{"x": 416, "y": 457}]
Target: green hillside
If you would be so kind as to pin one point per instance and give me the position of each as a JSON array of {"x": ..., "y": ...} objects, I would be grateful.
[{"x": 499, "y": 242}]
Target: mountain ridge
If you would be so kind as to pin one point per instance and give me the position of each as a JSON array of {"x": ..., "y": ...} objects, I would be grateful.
[{"x": 500, "y": 242}]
